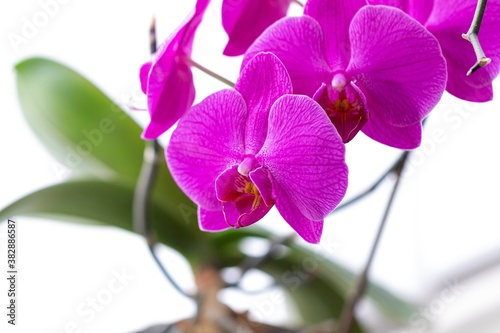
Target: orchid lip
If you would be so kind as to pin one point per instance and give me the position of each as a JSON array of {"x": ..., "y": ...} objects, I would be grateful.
[
  {"x": 344, "y": 105},
  {"x": 242, "y": 201}
]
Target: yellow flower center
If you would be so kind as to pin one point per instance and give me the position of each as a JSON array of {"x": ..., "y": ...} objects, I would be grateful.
[{"x": 250, "y": 188}]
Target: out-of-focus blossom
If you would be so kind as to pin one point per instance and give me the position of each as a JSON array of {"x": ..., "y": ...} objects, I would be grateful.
[
  {"x": 447, "y": 20},
  {"x": 372, "y": 68},
  {"x": 167, "y": 79},
  {"x": 241, "y": 151},
  {"x": 245, "y": 20}
]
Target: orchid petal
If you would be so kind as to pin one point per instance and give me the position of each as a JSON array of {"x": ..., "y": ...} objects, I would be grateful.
[
  {"x": 208, "y": 140},
  {"x": 298, "y": 43},
  {"x": 245, "y": 20},
  {"x": 143, "y": 76},
  {"x": 304, "y": 156},
  {"x": 262, "y": 81},
  {"x": 334, "y": 17},
  {"x": 418, "y": 9},
  {"x": 309, "y": 230},
  {"x": 186, "y": 34},
  {"x": 408, "y": 137},
  {"x": 170, "y": 94},
  {"x": 212, "y": 220},
  {"x": 448, "y": 21},
  {"x": 397, "y": 64},
  {"x": 169, "y": 85}
]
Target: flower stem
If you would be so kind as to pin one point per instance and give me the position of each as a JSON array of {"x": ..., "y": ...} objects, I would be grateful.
[
  {"x": 152, "y": 36},
  {"x": 252, "y": 263},
  {"x": 299, "y": 3},
  {"x": 373, "y": 187},
  {"x": 393, "y": 169},
  {"x": 143, "y": 190},
  {"x": 472, "y": 37},
  {"x": 205, "y": 70},
  {"x": 347, "y": 316},
  {"x": 141, "y": 209}
]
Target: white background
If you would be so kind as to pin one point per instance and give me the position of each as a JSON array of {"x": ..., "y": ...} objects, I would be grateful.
[{"x": 444, "y": 225}]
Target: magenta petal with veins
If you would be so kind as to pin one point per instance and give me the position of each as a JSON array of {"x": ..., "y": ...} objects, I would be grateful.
[
  {"x": 245, "y": 20},
  {"x": 167, "y": 79},
  {"x": 447, "y": 20},
  {"x": 377, "y": 62}
]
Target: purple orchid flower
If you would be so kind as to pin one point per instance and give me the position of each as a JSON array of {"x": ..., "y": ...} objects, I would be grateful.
[
  {"x": 245, "y": 20},
  {"x": 447, "y": 20},
  {"x": 167, "y": 79},
  {"x": 371, "y": 68},
  {"x": 241, "y": 151}
]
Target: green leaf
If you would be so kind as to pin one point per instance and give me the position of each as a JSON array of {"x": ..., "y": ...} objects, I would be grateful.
[
  {"x": 88, "y": 132},
  {"x": 109, "y": 203},
  {"x": 82, "y": 127},
  {"x": 343, "y": 280},
  {"x": 303, "y": 272}
]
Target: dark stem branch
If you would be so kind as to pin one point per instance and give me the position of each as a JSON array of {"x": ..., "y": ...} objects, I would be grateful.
[
  {"x": 144, "y": 189},
  {"x": 473, "y": 38},
  {"x": 374, "y": 186},
  {"x": 299, "y": 3},
  {"x": 141, "y": 207},
  {"x": 252, "y": 263},
  {"x": 142, "y": 195},
  {"x": 393, "y": 169},
  {"x": 152, "y": 36},
  {"x": 346, "y": 319}
]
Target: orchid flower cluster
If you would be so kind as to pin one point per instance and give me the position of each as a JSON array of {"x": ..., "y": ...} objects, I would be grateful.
[{"x": 307, "y": 86}]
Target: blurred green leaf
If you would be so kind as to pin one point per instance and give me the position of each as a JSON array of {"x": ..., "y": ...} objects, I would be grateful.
[
  {"x": 108, "y": 203},
  {"x": 89, "y": 133},
  {"x": 342, "y": 280},
  {"x": 304, "y": 272},
  {"x": 80, "y": 126}
]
